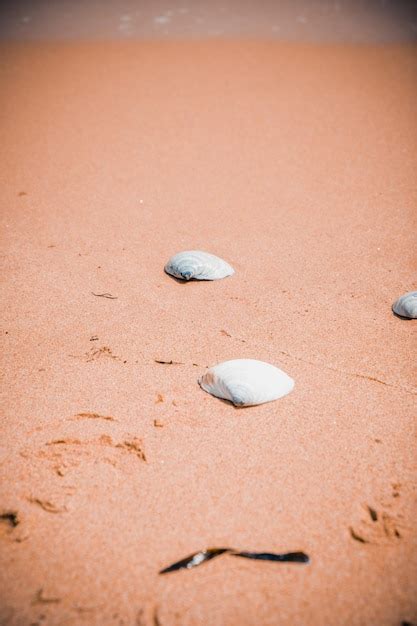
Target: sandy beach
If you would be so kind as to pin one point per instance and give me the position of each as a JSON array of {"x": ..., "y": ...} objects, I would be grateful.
[{"x": 296, "y": 163}]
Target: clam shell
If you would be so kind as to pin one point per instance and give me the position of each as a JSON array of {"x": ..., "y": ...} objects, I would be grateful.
[
  {"x": 406, "y": 305},
  {"x": 197, "y": 265},
  {"x": 246, "y": 382}
]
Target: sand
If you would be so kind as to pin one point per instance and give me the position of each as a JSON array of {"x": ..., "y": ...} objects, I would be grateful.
[{"x": 294, "y": 162}]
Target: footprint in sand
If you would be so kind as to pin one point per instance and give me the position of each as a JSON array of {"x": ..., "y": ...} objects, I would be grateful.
[
  {"x": 94, "y": 354},
  {"x": 378, "y": 526},
  {"x": 67, "y": 453}
]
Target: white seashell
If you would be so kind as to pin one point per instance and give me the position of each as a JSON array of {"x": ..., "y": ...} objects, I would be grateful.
[
  {"x": 406, "y": 306},
  {"x": 197, "y": 265},
  {"x": 246, "y": 382}
]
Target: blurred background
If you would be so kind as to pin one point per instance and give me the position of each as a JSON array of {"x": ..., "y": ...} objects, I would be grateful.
[{"x": 292, "y": 20}]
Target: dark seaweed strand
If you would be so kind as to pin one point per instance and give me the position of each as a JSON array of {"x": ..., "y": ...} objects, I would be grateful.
[
  {"x": 104, "y": 295},
  {"x": 198, "y": 558},
  {"x": 289, "y": 557}
]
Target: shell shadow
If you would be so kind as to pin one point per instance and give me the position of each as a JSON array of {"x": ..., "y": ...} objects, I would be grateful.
[
  {"x": 181, "y": 281},
  {"x": 401, "y": 317},
  {"x": 178, "y": 280},
  {"x": 230, "y": 403},
  {"x": 192, "y": 280}
]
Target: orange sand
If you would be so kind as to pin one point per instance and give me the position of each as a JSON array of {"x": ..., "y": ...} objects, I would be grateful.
[{"x": 297, "y": 164}]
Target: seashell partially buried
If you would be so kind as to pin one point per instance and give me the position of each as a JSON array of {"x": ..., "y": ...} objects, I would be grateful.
[
  {"x": 246, "y": 382},
  {"x": 406, "y": 305},
  {"x": 197, "y": 265}
]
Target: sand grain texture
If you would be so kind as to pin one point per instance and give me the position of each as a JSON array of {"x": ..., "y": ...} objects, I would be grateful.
[{"x": 295, "y": 163}]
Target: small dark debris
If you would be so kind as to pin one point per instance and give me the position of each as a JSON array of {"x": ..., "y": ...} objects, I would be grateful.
[
  {"x": 95, "y": 416},
  {"x": 11, "y": 518},
  {"x": 94, "y": 338},
  {"x": 65, "y": 442},
  {"x": 41, "y": 599},
  {"x": 22, "y": 193},
  {"x": 375, "y": 380},
  {"x": 373, "y": 514},
  {"x": 357, "y": 537},
  {"x": 158, "y": 424},
  {"x": 104, "y": 295},
  {"x": 396, "y": 490},
  {"x": 168, "y": 362},
  {"x": 47, "y": 506}
]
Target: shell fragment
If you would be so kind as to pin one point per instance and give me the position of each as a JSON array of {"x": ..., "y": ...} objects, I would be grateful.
[
  {"x": 197, "y": 265},
  {"x": 406, "y": 305},
  {"x": 246, "y": 382}
]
